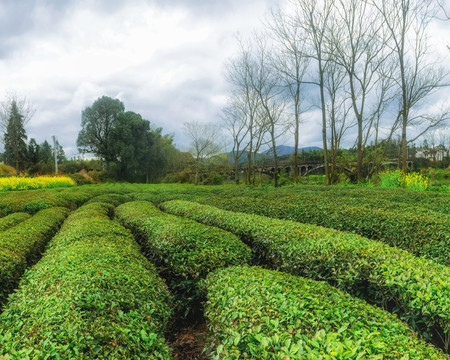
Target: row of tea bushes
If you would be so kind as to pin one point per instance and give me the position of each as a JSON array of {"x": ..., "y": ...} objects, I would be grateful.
[
  {"x": 434, "y": 201},
  {"x": 22, "y": 245},
  {"x": 417, "y": 289},
  {"x": 32, "y": 201},
  {"x": 184, "y": 250},
  {"x": 420, "y": 234},
  {"x": 12, "y": 220},
  {"x": 92, "y": 296},
  {"x": 260, "y": 314}
]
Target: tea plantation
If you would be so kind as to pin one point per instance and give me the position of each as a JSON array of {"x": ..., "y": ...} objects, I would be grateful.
[{"x": 128, "y": 271}]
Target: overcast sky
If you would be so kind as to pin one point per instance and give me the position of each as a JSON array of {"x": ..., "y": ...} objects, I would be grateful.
[{"x": 164, "y": 59}]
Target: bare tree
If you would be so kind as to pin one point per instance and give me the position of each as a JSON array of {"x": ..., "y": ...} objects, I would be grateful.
[
  {"x": 337, "y": 108},
  {"x": 266, "y": 83},
  {"x": 314, "y": 17},
  {"x": 236, "y": 122},
  {"x": 238, "y": 74},
  {"x": 291, "y": 61},
  {"x": 357, "y": 43},
  {"x": 204, "y": 143},
  {"x": 417, "y": 77}
]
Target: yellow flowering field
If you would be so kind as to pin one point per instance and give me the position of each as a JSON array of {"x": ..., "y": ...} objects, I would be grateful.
[
  {"x": 24, "y": 183},
  {"x": 397, "y": 178}
]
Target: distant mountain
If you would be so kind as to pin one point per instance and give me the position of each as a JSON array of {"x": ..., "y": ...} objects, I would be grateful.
[{"x": 288, "y": 150}]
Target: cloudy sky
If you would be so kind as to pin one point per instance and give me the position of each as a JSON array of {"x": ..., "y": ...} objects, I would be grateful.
[{"x": 163, "y": 58}]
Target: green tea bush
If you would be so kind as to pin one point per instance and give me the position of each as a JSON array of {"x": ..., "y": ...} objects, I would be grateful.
[
  {"x": 261, "y": 314},
  {"x": 185, "y": 250},
  {"x": 111, "y": 198},
  {"x": 21, "y": 245},
  {"x": 92, "y": 296},
  {"x": 421, "y": 234},
  {"x": 415, "y": 288},
  {"x": 12, "y": 220},
  {"x": 32, "y": 201}
]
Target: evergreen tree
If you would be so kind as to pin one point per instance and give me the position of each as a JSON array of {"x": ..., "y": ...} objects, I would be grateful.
[
  {"x": 45, "y": 152},
  {"x": 33, "y": 152},
  {"x": 15, "y": 139}
]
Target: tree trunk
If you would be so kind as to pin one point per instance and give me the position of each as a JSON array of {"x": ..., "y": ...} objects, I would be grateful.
[{"x": 236, "y": 168}]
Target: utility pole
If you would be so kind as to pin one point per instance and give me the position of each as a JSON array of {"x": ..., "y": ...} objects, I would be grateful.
[{"x": 55, "y": 152}]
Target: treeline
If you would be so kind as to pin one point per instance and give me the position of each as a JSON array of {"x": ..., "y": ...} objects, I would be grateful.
[
  {"x": 359, "y": 68},
  {"x": 126, "y": 146},
  {"x": 26, "y": 157}
]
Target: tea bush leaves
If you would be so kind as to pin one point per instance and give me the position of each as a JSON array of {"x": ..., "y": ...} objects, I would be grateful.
[
  {"x": 260, "y": 314},
  {"x": 185, "y": 250},
  {"x": 92, "y": 296},
  {"x": 417, "y": 289},
  {"x": 21, "y": 245}
]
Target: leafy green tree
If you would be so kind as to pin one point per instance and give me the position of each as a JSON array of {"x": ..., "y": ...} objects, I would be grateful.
[
  {"x": 45, "y": 152},
  {"x": 140, "y": 152},
  {"x": 61, "y": 156},
  {"x": 33, "y": 152},
  {"x": 97, "y": 124},
  {"x": 15, "y": 139}
]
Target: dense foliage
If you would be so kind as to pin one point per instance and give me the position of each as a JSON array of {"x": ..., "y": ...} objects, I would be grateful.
[
  {"x": 415, "y": 288},
  {"x": 33, "y": 201},
  {"x": 92, "y": 296},
  {"x": 124, "y": 141},
  {"x": 14, "y": 139},
  {"x": 260, "y": 314},
  {"x": 186, "y": 251},
  {"x": 423, "y": 233},
  {"x": 21, "y": 245},
  {"x": 12, "y": 220}
]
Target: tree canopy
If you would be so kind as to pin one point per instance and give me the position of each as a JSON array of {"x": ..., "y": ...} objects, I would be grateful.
[
  {"x": 127, "y": 144},
  {"x": 15, "y": 139}
]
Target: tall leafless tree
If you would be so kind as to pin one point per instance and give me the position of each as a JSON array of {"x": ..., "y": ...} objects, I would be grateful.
[
  {"x": 266, "y": 83},
  {"x": 204, "y": 142},
  {"x": 236, "y": 122},
  {"x": 338, "y": 107},
  {"x": 417, "y": 76},
  {"x": 291, "y": 61},
  {"x": 239, "y": 74},
  {"x": 358, "y": 43},
  {"x": 314, "y": 17}
]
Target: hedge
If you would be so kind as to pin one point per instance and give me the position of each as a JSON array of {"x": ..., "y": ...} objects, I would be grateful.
[
  {"x": 92, "y": 296},
  {"x": 12, "y": 220},
  {"x": 21, "y": 246},
  {"x": 184, "y": 250},
  {"x": 110, "y": 198},
  {"x": 260, "y": 314},
  {"x": 32, "y": 201},
  {"x": 415, "y": 288},
  {"x": 422, "y": 235}
]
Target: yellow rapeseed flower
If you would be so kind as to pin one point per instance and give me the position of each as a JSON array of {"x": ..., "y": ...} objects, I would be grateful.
[{"x": 24, "y": 183}]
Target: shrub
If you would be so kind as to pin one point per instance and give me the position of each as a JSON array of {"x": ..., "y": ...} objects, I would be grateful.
[
  {"x": 261, "y": 314},
  {"x": 417, "y": 289},
  {"x": 33, "y": 201},
  {"x": 418, "y": 232},
  {"x": 21, "y": 246},
  {"x": 92, "y": 296},
  {"x": 184, "y": 250},
  {"x": 111, "y": 198},
  {"x": 12, "y": 220}
]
